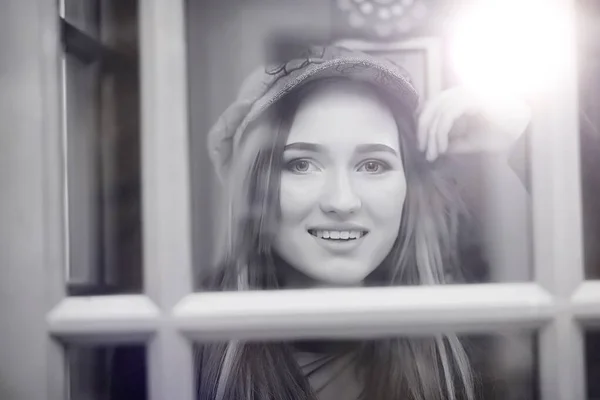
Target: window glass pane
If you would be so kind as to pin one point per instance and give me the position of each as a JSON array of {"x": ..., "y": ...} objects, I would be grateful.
[
  {"x": 463, "y": 217},
  {"x": 502, "y": 367},
  {"x": 84, "y": 15},
  {"x": 107, "y": 372},
  {"x": 102, "y": 122},
  {"x": 592, "y": 362},
  {"x": 589, "y": 97}
]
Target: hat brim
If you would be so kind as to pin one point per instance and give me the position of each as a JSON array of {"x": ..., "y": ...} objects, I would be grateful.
[{"x": 366, "y": 70}]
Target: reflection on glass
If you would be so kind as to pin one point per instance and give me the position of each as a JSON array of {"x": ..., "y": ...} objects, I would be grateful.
[
  {"x": 592, "y": 364},
  {"x": 107, "y": 373},
  {"x": 83, "y": 15},
  {"x": 499, "y": 367},
  {"x": 330, "y": 181},
  {"x": 101, "y": 118},
  {"x": 334, "y": 172},
  {"x": 589, "y": 99}
]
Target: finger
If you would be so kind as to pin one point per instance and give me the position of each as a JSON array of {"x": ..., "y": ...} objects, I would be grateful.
[
  {"x": 450, "y": 98},
  {"x": 426, "y": 119},
  {"x": 432, "y": 150},
  {"x": 448, "y": 107},
  {"x": 445, "y": 125},
  {"x": 443, "y": 131}
]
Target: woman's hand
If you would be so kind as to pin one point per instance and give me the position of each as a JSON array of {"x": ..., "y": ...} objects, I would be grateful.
[{"x": 458, "y": 121}]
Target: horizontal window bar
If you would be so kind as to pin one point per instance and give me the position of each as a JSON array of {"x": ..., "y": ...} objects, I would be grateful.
[
  {"x": 123, "y": 318},
  {"x": 360, "y": 312},
  {"x": 320, "y": 312},
  {"x": 586, "y": 302}
]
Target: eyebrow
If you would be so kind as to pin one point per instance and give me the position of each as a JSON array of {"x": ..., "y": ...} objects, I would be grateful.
[
  {"x": 314, "y": 147},
  {"x": 375, "y": 147},
  {"x": 360, "y": 149}
]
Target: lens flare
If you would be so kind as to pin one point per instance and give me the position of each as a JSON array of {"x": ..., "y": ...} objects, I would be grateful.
[{"x": 512, "y": 47}]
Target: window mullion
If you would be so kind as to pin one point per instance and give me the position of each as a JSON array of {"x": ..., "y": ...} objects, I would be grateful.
[
  {"x": 55, "y": 192},
  {"x": 561, "y": 362},
  {"x": 586, "y": 302},
  {"x": 166, "y": 213},
  {"x": 556, "y": 196}
]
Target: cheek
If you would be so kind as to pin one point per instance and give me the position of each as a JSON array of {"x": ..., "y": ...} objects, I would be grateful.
[
  {"x": 385, "y": 199},
  {"x": 298, "y": 195}
]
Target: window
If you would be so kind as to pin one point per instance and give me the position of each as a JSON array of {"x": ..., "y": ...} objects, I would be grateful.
[
  {"x": 589, "y": 132},
  {"x": 101, "y": 108},
  {"x": 496, "y": 233},
  {"x": 503, "y": 365},
  {"x": 106, "y": 372},
  {"x": 58, "y": 315}
]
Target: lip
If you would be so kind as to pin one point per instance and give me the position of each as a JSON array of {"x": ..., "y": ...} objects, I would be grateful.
[
  {"x": 338, "y": 227},
  {"x": 339, "y": 246}
]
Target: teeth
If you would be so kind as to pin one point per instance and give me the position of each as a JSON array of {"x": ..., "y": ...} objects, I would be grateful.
[{"x": 337, "y": 235}]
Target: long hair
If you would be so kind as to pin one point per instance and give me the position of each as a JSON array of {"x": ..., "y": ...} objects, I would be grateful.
[{"x": 429, "y": 368}]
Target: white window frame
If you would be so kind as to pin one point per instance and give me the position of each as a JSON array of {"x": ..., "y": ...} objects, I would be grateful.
[{"x": 168, "y": 316}]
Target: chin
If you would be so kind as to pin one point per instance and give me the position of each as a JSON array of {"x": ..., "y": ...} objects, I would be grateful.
[{"x": 341, "y": 275}]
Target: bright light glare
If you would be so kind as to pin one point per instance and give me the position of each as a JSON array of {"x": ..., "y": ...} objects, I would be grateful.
[{"x": 512, "y": 46}]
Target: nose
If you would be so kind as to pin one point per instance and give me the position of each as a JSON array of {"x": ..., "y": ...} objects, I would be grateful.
[{"x": 339, "y": 196}]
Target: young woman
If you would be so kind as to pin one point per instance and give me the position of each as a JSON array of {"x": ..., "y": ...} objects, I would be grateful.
[{"x": 332, "y": 180}]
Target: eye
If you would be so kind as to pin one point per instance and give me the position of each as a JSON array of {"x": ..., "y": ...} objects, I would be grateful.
[
  {"x": 301, "y": 166},
  {"x": 374, "y": 167}
]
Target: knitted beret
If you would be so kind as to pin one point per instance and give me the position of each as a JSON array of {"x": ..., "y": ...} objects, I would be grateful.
[{"x": 266, "y": 85}]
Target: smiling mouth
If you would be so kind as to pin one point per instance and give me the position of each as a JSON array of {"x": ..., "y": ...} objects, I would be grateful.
[{"x": 339, "y": 236}]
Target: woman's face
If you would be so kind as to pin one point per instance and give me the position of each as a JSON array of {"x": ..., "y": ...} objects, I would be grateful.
[{"x": 342, "y": 185}]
